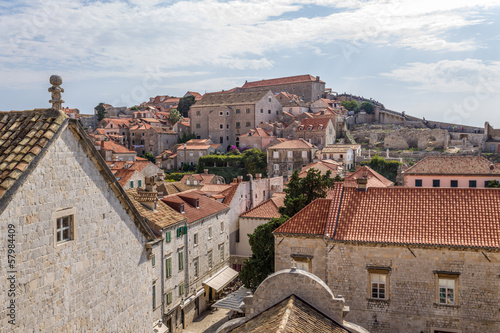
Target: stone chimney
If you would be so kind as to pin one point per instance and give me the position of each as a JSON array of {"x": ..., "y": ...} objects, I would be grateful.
[
  {"x": 258, "y": 176},
  {"x": 240, "y": 179},
  {"x": 362, "y": 182},
  {"x": 205, "y": 171},
  {"x": 317, "y": 78},
  {"x": 149, "y": 196},
  {"x": 56, "y": 90}
]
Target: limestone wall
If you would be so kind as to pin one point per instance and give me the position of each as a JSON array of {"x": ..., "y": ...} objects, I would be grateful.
[{"x": 100, "y": 281}]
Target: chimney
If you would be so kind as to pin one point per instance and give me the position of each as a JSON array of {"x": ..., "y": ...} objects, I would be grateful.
[
  {"x": 258, "y": 176},
  {"x": 317, "y": 78},
  {"x": 205, "y": 171},
  {"x": 240, "y": 179},
  {"x": 151, "y": 184},
  {"x": 362, "y": 182},
  {"x": 235, "y": 181}
]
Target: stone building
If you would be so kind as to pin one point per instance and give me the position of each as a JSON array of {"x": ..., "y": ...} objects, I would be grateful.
[
  {"x": 285, "y": 157},
  {"x": 324, "y": 103},
  {"x": 204, "y": 178},
  {"x": 279, "y": 306},
  {"x": 112, "y": 151},
  {"x": 223, "y": 117},
  {"x": 158, "y": 139},
  {"x": 341, "y": 153},
  {"x": 206, "y": 250},
  {"x": 81, "y": 250},
  {"x": 323, "y": 167},
  {"x": 295, "y": 107},
  {"x": 318, "y": 131},
  {"x": 256, "y": 138},
  {"x": 405, "y": 259},
  {"x": 307, "y": 87},
  {"x": 168, "y": 264},
  {"x": 451, "y": 171}
]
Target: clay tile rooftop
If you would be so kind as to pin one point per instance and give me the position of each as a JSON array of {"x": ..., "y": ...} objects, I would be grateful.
[
  {"x": 268, "y": 209},
  {"x": 453, "y": 165},
  {"x": 283, "y": 80},
  {"x": 460, "y": 217}
]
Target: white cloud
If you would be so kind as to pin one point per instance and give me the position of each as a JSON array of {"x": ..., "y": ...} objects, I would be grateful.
[
  {"x": 117, "y": 36},
  {"x": 466, "y": 75}
]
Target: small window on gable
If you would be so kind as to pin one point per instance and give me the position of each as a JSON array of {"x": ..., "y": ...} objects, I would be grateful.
[
  {"x": 64, "y": 225},
  {"x": 131, "y": 184}
]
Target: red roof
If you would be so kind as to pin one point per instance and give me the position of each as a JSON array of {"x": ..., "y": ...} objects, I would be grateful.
[
  {"x": 375, "y": 179},
  {"x": 267, "y": 209},
  {"x": 115, "y": 147},
  {"x": 313, "y": 124},
  {"x": 405, "y": 215},
  {"x": 283, "y": 80},
  {"x": 291, "y": 144},
  {"x": 310, "y": 221},
  {"x": 258, "y": 132},
  {"x": 453, "y": 165},
  {"x": 137, "y": 165},
  {"x": 206, "y": 208},
  {"x": 229, "y": 193}
]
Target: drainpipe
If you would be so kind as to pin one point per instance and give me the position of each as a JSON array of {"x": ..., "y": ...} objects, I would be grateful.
[{"x": 251, "y": 191}]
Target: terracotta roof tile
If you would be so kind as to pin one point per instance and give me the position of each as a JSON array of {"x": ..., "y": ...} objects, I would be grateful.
[
  {"x": 453, "y": 165},
  {"x": 311, "y": 220},
  {"x": 313, "y": 124},
  {"x": 278, "y": 81},
  {"x": 206, "y": 208},
  {"x": 374, "y": 178},
  {"x": 229, "y": 193},
  {"x": 291, "y": 144},
  {"x": 268, "y": 209},
  {"x": 23, "y": 137}
]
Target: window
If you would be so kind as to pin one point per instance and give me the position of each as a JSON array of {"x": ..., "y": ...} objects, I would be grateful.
[
  {"x": 181, "y": 289},
  {"x": 221, "y": 249},
  {"x": 198, "y": 126},
  {"x": 168, "y": 267},
  {"x": 238, "y": 124},
  {"x": 261, "y": 110},
  {"x": 210, "y": 260},
  {"x": 153, "y": 260},
  {"x": 418, "y": 182},
  {"x": 181, "y": 260},
  {"x": 200, "y": 153},
  {"x": 227, "y": 126},
  {"x": 195, "y": 267},
  {"x": 195, "y": 239},
  {"x": 276, "y": 167},
  {"x": 221, "y": 227},
  {"x": 276, "y": 154},
  {"x": 454, "y": 183},
  {"x": 247, "y": 124},
  {"x": 304, "y": 154},
  {"x": 64, "y": 228},
  {"x": 168, "y": 236},
  {"x": 227, "y": 113},
  {"x": 139, "y": 183},
  {"x": 472, "y": 183},
  {"x": 209, "y": 232},
  {"x": 198, "y": 113},
  {"x": 221, "y": 113},
  {"x": 290, "y": 154},
  {"x": 131, "y": 184},
  {"x": 378, "y": 284},
  {"x": 269, "y": 99},
  {"x": 276, "y": 111},
  {"x": 221, "y": 126},
  {"x": 268, "y": 111},
  {"x": 169, "y": 298},
  {"x": 191, "y": 154},
  {"x": 302, "y": 263},
  {"x": 154, "y": 296},
  {"x": 435, "y": 183},
  {"x": 237, "y": 110},
  {"x": 221, "y": 139},
  {"x": 447, "y": 289},
  {"x": 248, "y": 110}
]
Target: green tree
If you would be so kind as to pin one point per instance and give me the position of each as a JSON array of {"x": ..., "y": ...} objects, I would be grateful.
[
  {"x": 186, "y": 137},
  {"x": 299, "y": 193},
  {"x": 150, "y": 157},
  {"x": 302, "y": 191},
  {"x": 134, "y": 108},
  {"x": 388, "y": 169},
  {"x": 100, "y": 111},
  {"x": 174, "y": 116},
  {"x": 255, "y": 161},
  {"x": 350, "y": 105},
  {"x": 184, "y": 105},
  {"x": 261, "y": 264},
  {"x": 367, "y": 107},
  {"x": 493, "y": 183}
]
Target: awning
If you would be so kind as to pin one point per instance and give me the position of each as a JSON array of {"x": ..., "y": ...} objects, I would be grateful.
[
  {"x": 192, "y": 297},
  {"x": 221, "y": 278},
  {"x": 233, "y": 301}
]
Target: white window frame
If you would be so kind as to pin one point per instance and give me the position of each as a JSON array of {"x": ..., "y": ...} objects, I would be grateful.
[
  {"x": 276, "y": 167},
  {"x": 379, "y": 285},
  {"x": 445, "y": 284},
  {"x": 304, "y": 154},
  {"x": 276, "y": 154},
  {"x": 289, "y": 154},
  {"x": 69, "y": 213}
]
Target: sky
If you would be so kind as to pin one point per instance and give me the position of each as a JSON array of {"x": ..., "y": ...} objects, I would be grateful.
[{"x": 436, "y": 59}]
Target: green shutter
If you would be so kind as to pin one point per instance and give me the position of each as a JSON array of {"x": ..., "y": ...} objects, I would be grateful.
[
  {"x": 140, "y": 183},
  {"x": 168, "y": 237},
  {"x": 185, "y": 230},
  {"x": 181, "y": 261},
  {"x": 168, "y": 264},
  {"x": 131, "y": 184}
]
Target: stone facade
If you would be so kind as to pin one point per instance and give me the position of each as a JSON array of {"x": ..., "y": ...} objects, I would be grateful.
[
  {"x": 412, "y": 304},
  {"x": 307, "y": 87},
  {"x": 224, "y": 119},
  {"x": 100, "y": 280},
  {"x": 283, "y": 158}
]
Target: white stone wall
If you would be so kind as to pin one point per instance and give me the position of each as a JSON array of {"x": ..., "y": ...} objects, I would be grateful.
[
  {"x": 247, "y": 226},
  {"x": 101, "y": 280}
]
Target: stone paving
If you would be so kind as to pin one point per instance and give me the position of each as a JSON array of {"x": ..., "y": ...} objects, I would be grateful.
[{"x": 208, "y": 322}]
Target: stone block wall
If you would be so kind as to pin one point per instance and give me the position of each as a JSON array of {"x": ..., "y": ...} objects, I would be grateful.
[{"x": 101, "y": 280}]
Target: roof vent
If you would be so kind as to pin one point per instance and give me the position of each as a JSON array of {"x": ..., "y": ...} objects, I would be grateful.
[{"x": 492, "y": 166}]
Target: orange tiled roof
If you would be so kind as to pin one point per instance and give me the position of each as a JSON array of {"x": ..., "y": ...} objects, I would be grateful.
[
  {"x": 162, "y": 217},
  {"x": 313, "y": 124},
  {"x": 215, "y": 188},
  {"x": 259, "y": 132},
  {"x": 115, "y": 147},
  {"x": 206, "y": 208},
  {"x": 229, "y": 193},
  {"x": 23, "y": 135},
  {"x": 291, "y": 144},
  {"x": 137, "y": 165},
  {"x": 375, "y": 179},
  {"x": 406, "y": 215},
  {"x": 123, "y": 175},
  {"x": 323, "y": 166},
  {"x": 453, "y": 165},
  {"x": 311, "y": 220},
  {"x": 267, "y": 209},
  {"x": 283, "y": 80}
]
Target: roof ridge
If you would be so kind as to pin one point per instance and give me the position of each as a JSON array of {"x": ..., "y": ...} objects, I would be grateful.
[{"x": 286, "y": 315}]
